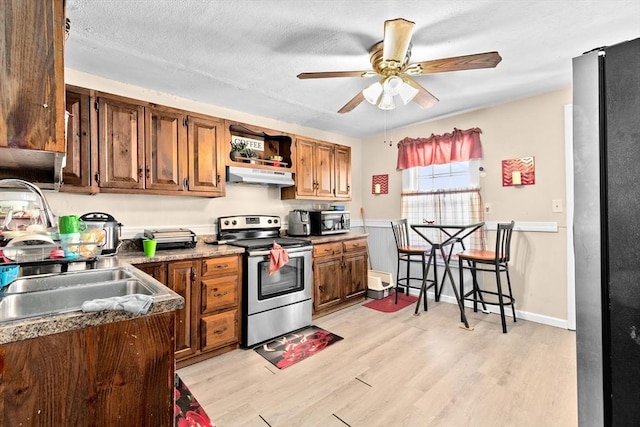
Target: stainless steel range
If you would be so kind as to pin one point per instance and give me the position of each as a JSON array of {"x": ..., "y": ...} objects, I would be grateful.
[{"x": 272, "y": 304}]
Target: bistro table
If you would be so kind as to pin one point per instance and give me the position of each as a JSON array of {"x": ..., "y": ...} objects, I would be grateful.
[{"x": 454, "y": 233}]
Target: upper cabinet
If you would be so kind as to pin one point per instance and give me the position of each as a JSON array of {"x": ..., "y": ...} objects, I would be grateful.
[
  {"x": 80, "y": 172},
  {"x": 32, "y": 82},
  {"x": 121, "y": 145},
  {"x": 322, "y": 171}
]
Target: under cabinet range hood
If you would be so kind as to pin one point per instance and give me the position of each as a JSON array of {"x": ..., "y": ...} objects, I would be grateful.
[
  {"x": 43, "y": 168},
  {"x": 259, "y": 176}
]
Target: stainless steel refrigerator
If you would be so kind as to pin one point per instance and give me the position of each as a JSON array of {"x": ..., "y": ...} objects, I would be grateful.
[{"x": 606, "y": 152}]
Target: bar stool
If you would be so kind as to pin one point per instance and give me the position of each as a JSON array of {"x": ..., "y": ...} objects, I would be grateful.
[
  {"x": 492, "y": 261},
  {"x": 408, "y": 254}
]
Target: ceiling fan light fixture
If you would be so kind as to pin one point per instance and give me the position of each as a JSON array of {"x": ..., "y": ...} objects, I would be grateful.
[
  {"x": 372, "y": 93},
  {"x": 392, "y": 85},
  {"x": 386, "y": 101},
  {"x": 407, "y": 92}
]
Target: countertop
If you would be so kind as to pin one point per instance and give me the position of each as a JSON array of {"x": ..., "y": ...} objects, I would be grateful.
[
  {"x": 130, "y": 254},
  {"x": 18, "y": 330}
]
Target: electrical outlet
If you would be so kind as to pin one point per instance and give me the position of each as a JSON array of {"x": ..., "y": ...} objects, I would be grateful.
[
  {"x": 556, "y": 205},
  {"x": 487, "y": 208}
]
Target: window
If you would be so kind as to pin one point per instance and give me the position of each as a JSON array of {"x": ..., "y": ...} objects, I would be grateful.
[{"x": 445, "y": 193}]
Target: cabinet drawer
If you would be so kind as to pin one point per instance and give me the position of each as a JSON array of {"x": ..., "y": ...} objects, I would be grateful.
[
  {"x": 327, "y": 249},
  {"x": 219, "y": 293},
  {"x": 354, "y": 245},
  {"x": 221, "y": 265},
  {"x": 219, "y": 330}
]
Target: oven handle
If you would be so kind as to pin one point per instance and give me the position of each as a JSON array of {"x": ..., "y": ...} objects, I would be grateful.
[{"x": 290, "y": 251}]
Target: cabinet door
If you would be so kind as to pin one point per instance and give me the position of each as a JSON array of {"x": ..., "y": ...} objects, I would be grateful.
[
  {"x": 32, "y": 82},
  {"x": 78, "y": 174},
  {"x": 181, "y": 278},
  {"x": 305, "y": 167},
  {"x": 157, "y": 270},
  {"x": 121, "y": 142},
  {"x": 325, "y": 168},
  {"x": 165, "y": 149},
  {"x": 206, "y": 163},
  {"x": 343, "y": 172},
  {"x": 354, "y": 275},
  {"x": 326, "y": 282}
]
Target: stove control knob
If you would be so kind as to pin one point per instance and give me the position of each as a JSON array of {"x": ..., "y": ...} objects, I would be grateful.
[
  {"x": 269, "y": 221},
  {"x": 234, "y": 222},
  {"x": 275, "y": 221},
  {"x": 226, "y": 222}
]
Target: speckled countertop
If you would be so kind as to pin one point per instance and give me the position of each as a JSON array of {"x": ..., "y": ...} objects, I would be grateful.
[{"x": 130, "y": 254}]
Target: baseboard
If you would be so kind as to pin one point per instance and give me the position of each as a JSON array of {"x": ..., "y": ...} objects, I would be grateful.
[{"x": 524, "y": 315}]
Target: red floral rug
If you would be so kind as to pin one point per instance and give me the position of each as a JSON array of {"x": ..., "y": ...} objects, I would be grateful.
[
  {"x": 187, "y": 411},
  {"x": 388, "y": 304},
  {"x": 296, "y": 346}
]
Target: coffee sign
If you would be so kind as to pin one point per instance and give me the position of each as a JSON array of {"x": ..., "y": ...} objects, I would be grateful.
[{"x": 254, "y": 144}]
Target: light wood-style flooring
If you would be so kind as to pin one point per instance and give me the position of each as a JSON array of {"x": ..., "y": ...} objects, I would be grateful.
[{"x": 396, "y": 369}]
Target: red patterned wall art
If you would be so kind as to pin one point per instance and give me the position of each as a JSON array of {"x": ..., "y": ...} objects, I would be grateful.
[
  {"x": 380, "y": 184},
  {"x": 520, "y": 171}
]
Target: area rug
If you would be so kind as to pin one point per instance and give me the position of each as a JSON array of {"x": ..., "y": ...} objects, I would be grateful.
[
  {"x": 187, "y": 411},
  {"x": 296, "y": 346},
  {"x": 388, "y": 304}
]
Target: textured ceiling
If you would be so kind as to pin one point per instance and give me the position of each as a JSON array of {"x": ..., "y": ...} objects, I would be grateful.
[{"x": 245, "y": 54}]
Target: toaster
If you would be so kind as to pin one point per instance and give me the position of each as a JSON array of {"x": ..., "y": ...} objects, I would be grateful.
[{"x": 299, "y": 223}]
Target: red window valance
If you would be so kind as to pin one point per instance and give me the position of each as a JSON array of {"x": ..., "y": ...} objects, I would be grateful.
[{"x": 457, "y": 146}]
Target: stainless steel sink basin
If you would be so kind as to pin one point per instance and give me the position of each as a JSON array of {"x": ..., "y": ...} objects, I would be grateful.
[
  {"x": 61, "y": 293},
  {"x": 52, "y": 281}
]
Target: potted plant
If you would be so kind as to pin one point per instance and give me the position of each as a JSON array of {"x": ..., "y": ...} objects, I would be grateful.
[
  {"x": 251, "y": 154},
  {"x": 237, "y": 150}
]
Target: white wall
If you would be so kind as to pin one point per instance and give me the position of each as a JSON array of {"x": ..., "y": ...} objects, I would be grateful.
[{"x": 137, "y": 212}]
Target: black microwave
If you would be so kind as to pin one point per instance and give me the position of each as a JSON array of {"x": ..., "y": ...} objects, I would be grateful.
[{"x": 329, "y": 222}]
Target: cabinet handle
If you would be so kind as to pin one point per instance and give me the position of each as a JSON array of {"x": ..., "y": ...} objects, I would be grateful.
[
  {"x": 193, "y": 275},
  {"x": 185, "y": 183},
  {"x": 140, "y": 171},
  {"x": 217, "y": 179},
  {"x": 219, "y": 266},
  {"x": 356, "y": 245},
  {"x": 218, "y": 294},
  {"x": 220, "y": 331},
  {"x": 348, "y": 188},
  {"x": 148, "y": 172}
]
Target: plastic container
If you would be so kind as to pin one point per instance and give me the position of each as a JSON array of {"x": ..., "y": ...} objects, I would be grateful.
[{"x": 8, "y": 274}]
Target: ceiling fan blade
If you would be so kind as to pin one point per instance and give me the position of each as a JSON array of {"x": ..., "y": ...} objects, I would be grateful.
[
  {"x": 424, "y": 98},
  {"x": 467, "y": 62},
  {"x": 397, "y": 37},
  {"x": 353, "y": 103},
  {"x": 330, "y": 74}
]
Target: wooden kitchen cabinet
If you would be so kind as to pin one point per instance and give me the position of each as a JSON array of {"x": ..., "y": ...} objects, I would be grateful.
[
  {"x": 339, "y": 274},
  {"x": 209, "y": 322},
  {"x": 182, "y": 277},
  {"x": 205, "y": 136},
  {"x": 79, "y": 174},
  {"x": 115, "y": 374},
  {"x": 121, "y": 144},
  {"x": 323, "y": 171},
  {"x": 220, "y": 288},
  {"x": 158, "y": 150},
  {"x": 32, "y": 83}
]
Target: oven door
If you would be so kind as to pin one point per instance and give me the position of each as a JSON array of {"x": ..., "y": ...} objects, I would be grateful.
[{"x": 289, "y": 285}]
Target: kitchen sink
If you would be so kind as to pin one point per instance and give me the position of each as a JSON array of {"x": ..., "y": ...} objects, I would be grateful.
[
  {"x": 52, "y": 281},
  {"x": 62, "y": 293}
]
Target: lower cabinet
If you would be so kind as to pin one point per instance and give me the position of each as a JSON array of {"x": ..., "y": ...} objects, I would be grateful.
[
  {"x": 209, "y": 323},
  {"x": 115, "y": 374},
  {"x": 339, "y": 275}
]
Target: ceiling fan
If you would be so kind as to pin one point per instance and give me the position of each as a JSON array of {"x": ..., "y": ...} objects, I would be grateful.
[{"x": 390, "y": 60}]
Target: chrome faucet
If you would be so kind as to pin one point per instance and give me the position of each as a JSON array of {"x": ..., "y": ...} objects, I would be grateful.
[{"x": 50, "y": 218}]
